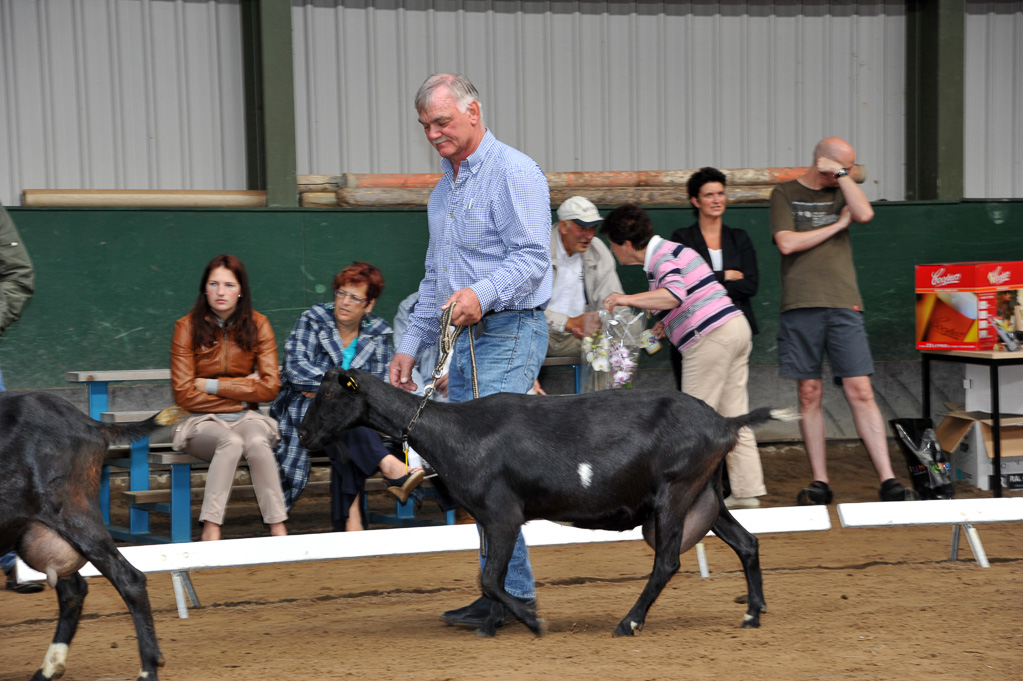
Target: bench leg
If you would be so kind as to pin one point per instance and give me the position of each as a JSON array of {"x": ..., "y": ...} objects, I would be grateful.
[
  {"x": 138, "y": 522},
  {"x": 181, "y": 503},
  {"x": 104, "y": 494},
  {"x": 701, "y": 559},
  {"x": 406, "y": 510},
  {"x": 955, "y": 543}
]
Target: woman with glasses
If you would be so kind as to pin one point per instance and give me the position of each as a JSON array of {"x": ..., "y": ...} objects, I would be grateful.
[
  {"x": 223, "y": 364},
  {"x": 344, "y": 334}
]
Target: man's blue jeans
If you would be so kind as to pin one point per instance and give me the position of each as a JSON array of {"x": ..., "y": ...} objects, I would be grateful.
[{"x": 508, "y": 359}]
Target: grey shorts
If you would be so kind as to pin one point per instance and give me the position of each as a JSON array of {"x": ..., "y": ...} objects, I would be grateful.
[{"x": 804, "y": 335}]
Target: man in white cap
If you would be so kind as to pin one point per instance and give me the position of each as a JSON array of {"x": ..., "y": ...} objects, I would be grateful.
[{"x": 584, "y": 274}]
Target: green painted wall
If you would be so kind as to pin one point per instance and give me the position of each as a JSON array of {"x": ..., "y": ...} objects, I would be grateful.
[{"x": 111, "y": 282}]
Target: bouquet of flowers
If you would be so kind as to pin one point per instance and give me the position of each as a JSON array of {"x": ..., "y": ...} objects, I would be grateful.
[{"x": 610, "y": 356}]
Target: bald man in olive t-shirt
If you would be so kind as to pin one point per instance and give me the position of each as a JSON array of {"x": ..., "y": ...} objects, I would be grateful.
[{"x": 821, "y": 310}]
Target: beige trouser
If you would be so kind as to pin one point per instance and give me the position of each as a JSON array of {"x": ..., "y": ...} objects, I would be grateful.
[
  {"x": 716, "y": 369},
  {"x": 223, "y": 444},
  {"x": 563, "y": 344}
]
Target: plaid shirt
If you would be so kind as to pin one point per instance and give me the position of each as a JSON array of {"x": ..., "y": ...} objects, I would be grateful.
[
  {"x": 313, "y": 348},
  {"x": 490, "y": 231}
]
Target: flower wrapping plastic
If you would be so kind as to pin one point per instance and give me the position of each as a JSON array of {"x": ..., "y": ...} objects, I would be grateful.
[{"x": 611, "y": 355}]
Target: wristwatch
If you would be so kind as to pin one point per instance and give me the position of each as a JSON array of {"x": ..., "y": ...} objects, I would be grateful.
[{"x": 842, "y": 172}]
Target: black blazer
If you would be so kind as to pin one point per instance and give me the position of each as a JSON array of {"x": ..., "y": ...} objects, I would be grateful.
[{"x": 736, "y": 254}]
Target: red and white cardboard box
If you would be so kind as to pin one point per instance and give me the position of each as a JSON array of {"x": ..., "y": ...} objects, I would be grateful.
[{"x": 957, "y": 303}]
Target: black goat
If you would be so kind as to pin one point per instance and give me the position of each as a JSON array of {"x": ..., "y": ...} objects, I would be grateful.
[
  {"x": 609, "y": 460},
  {"x": 51, "y": 456}
]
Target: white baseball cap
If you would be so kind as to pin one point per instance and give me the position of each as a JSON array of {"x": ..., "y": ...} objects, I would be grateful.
[{"x": 580, "y": 210}]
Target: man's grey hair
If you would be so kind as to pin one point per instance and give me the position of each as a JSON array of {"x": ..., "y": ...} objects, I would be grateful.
[{"x": 460, "y": 87}]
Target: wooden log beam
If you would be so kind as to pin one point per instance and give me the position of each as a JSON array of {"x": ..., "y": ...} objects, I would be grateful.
[
  {"x": 143, "y": 198},
  {"x": 586, "y": 180},
  {"x": 602, "y": 196}
]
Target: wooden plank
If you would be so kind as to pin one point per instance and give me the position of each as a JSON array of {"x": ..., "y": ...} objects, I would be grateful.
[
  {"x": 125, "y": 416},
  {"x": 562, "y": 361},
  {"x": 403, "y": 541},
  {"x": 162, "y": 496},
  {"x": 138, "y": 198},
  {"x": 933, "y": 512},
  {"x": 120, "y": 375}
]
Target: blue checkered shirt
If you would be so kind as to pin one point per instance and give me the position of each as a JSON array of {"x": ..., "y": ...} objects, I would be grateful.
[
  {"x": 313, "y": 348},
  {"x": 490, "y": 230}
]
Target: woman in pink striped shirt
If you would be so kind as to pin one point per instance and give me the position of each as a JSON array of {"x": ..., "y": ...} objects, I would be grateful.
[{"x": 696, "y": 314}]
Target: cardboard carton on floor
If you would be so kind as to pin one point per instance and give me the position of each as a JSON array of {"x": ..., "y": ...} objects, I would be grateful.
[{"x": 968, "y": 439}]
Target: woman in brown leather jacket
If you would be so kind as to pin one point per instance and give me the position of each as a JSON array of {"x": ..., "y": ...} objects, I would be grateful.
[{"x": 223, "y": 364}]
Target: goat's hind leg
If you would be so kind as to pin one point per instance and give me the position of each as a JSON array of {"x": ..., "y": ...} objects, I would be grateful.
[
  {"x": 747, "y": 547},
  {"x": 500, "y": 545},
  {"x": 668, "y": 540},
  {"x": 94, "y": 542},
  {"x": 71, "y": 592}
]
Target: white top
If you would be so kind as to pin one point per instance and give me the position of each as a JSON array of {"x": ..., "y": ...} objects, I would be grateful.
[
  {"x": 716, "y": 262},
  {"x": 568, "y": 297}
]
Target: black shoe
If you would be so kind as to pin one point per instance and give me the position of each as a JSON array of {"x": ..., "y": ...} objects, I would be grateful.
[
  {"x": 474, "y": 614},
  {"x": 23, "y": 588},
  {"x": 893, "y": 490},
  {"x": 404, "y": 486},
  {"x": 816, "y": 494}
]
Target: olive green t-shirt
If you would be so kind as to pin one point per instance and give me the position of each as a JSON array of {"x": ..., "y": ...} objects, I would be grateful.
[{"x": 822, "y": 276}]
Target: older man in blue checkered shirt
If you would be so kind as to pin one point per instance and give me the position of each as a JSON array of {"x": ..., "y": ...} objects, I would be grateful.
[{"x": 489, "y": 256}]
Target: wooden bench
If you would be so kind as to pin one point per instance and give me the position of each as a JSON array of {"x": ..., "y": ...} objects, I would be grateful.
[
  {"x": 142, "y": 454},
  {"x": 960, "y": 513},
  {"x": 178, "y": 559}
]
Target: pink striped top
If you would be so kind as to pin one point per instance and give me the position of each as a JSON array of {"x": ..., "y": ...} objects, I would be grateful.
[{"x": 704, "y": 303}]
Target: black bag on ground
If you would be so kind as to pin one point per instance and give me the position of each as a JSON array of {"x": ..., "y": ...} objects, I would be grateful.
[{"x": 929, "y": 468}]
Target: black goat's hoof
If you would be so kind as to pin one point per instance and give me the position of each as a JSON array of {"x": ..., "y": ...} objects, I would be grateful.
[
  {"x": 751, "y": 621},
  {"x": 628, "y": 628}
]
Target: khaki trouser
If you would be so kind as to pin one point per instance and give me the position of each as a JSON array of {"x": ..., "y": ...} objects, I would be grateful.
[
  {"x": 563, "y": 344},
  {"x": 716, "y": 370},
  {"x": 223, "y": 444}
]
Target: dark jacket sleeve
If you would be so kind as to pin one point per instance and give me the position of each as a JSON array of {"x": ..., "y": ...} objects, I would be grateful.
[{"x": 740, "y": 255}]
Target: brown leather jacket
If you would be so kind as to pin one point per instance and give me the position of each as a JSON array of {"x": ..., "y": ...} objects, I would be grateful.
[{"x": 229, "y": 364}]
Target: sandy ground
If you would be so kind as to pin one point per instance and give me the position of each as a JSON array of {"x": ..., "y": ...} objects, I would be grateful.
[{"x": 842, "y": 604}]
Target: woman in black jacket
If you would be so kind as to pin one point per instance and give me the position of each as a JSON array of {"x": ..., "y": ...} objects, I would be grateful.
[{"x": 730, "y": 254}]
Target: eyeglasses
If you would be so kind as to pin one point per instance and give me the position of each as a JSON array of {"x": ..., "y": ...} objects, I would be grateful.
[{"x": 340, "y": 295}]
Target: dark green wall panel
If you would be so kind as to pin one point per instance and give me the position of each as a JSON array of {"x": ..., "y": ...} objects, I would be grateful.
[{"x": 110, "y": 283}]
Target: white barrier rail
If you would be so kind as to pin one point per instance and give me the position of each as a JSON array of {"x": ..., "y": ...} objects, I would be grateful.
[{"x": 180, "y": 558}]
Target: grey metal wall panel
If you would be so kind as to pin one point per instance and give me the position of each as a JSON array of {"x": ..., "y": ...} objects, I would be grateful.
[
  {"x": 993, "y": 110},
  {"x": 120, "y": 94},
  {"x": 607, "y": 85}
]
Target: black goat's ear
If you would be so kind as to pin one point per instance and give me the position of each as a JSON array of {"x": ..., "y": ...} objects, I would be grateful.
[{"x": 347, "y": 382}]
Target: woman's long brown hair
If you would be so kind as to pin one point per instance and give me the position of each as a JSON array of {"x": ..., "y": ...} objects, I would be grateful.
[{"x": 241, "y": 325}]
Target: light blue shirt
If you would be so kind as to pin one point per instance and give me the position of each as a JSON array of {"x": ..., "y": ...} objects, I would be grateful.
[{"x": 490, "y": 231}]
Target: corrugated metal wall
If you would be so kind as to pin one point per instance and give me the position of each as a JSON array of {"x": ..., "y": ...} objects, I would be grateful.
[
  {"x": 148, "y": 93},
  {"x": 120, "y": 94},
  {"x": 993, "y": 84},
  {"x": 608, "y": 85}
]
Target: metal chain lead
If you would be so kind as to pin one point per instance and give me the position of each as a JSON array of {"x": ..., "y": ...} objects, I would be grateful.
[{"x": 447, "y": 345}]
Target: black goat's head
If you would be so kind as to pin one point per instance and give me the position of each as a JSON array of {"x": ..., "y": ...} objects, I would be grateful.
[{"x": 339, "y": 404}]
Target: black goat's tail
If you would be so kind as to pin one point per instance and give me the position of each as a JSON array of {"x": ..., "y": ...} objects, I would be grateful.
[
  {"x": 132, "y": 431},
  {"x": 763, "y": 415}
]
